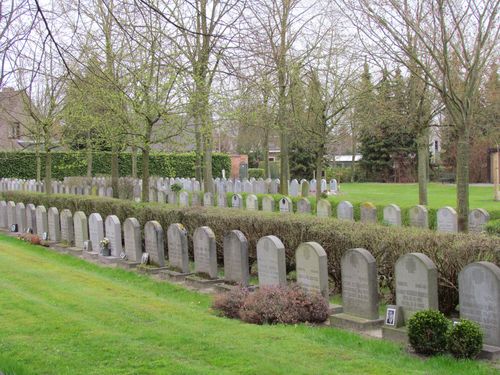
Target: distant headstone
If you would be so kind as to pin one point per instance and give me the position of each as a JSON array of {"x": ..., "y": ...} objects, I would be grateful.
[
  {"x": 11, "y": 214},
  {"x": 54, "y": 224},
  {"x": 41, "y": 220},
  {"x": 478, "y": 219},
  {"x": 154, "y": 243},
  {"x": 236, "y": 201},
  {"x": 304, "y": 188},
  {"x": 236, "y": 267},
  {"x": 323, "y": 208},
  {"x": 359, "y": 284},
  {"x": 392, "y": 215},
  {"x": 286, "y": 205},
  {"x": 271, "y": 261},
  {"x": 345, "y": 211},
  {"x": 333, "y": 186},
  {"x": 419, "y": 217},
  {"x": 133, "y": 241},
  {"x": 312, "y": 186},
  {"x": 184, "y": 199},
  {"x": 312, "y": 269},
  {"x": 303, "y": 206},
  {"x": 252, "y": 203},
  {"x": 447, "y": 220},
  {"x": 81, "y": 229},
  {"x": 323, "y": 185},
  {"x": 177, "y": 244},
  {"x": 30, "y": 217},
  {"x": 368, "y": 212},
  {"x": 67, "y": 227},
  {"x": 208, "y": 199},
  {"x": 416, "y": 284},
  {"x": 21, "y": 217},
  {"x": 221, "y": 200},
  {"x": 3, "y": 214},
  {"x": 96, "y": 231},
  {"x": 294, "y": 188},
  {"x": 114, "y": 234},
  {"x": 205, "y": 252},
  {"x": 267, "y": 204},
  {"x": 247, "y": 187},
  {"x": 479, "y": 298}
]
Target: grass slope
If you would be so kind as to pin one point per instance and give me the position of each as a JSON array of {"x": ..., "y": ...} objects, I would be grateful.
[{"x": 61, "y": 315}]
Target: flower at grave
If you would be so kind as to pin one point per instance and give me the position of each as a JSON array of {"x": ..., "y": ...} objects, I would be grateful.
[{"x": 104, "y": 243}]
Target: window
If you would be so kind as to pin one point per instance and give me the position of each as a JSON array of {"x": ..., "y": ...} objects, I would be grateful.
[{"x": 15, "y": 130}]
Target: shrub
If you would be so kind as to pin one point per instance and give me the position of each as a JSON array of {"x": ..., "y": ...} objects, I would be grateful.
[
  {"x": 427, "y": 332},
  {"x": 256, "y": 173},
  {"x": 229, "y": 304},
  {"x": 493, "y": 227},
  {"x": 465, "y": 339}
]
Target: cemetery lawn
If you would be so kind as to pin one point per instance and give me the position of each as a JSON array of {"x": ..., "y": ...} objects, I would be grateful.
[
  {"x": 62, "y": 315},
  {"x": 406, "y": 195}
]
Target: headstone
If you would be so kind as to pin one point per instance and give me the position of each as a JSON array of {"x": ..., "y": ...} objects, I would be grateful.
[
  {"x": 304, "y": 188},
  {"x": 312, "y": 269},
  {"x": 21, "y": 217},
  {"x": 345, "y": 211},
  {"x": 447, "y": 220},
  {"x": 3, "y": 214},
  {"x": 252, "y": 203},
  {"x": 368, "y": 212},
  {"x": 205, "y": 252},
  {"x": 236, "y": 267},
  {"x": 109, "y": 192},
  {"x": 419, "y": 217},
  {"x": 237, "y": 186},
  {"x": 177, "y": 244},
  {"x": 478, "y": 219},
  {"x": 133, "y": 241},
  {"x": 267, "y": 203},
  {"x": 323, "y": 185},
  {"x": 247, "y": 187},
  {"x": 303, "y": 206},
  {"x": 416, "y": 284},
  {"x": 30, "y": 217},
  {"x": 96, "y": 231},
  {"x": 323, "y": 208},
  {"x": 479, "y": 298},
  {"x": 392, "y": 215},
  {"x": 41, "y": 220},
  {"x": 312, "y": 186},
  {"x": 333, "y": 186},
  {"x": 294, "y": 188},
  {"x": 236, "y": 201},
  {"x": 208, "y": 199},
  {"x": 221, "y": 200},
  {"x": 172, "y": 198},
  {"x": 154, "y": 243},
  {"x": 114, "y": 235},
  {"x": 360, "y": 284},
  {"x": 184, "y": 199},
  {"x": 271, "y": 264},
  {"x": 81, "y": 229},
  {"x": 273, "y": 187},
  {"x": 286, "y": 205},
  {"x": 67, "y": 228},
  {"x": 162, "y": 198},
  {"x": 11, "y": 214}
]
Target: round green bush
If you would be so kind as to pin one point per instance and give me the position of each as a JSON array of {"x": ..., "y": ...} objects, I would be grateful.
[
  {"x": 427, "y": 332},
  {"x": 465, "y": 339}
]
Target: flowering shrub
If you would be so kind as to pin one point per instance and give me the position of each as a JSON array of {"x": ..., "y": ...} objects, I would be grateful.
[{"x": 230, "y": 303}]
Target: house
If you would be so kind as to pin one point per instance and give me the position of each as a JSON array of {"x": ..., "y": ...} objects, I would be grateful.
[{"x": 13, "y": 117}]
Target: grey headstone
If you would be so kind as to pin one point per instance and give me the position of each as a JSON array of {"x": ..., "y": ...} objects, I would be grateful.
[
  {"x": 205, "y": 251},
  {"x": 221, "y": 200},
  {"x": 252, "y": 203},
  {"x": 81, "y": 228},
  {"x": 419, "y": 217},
  {"x": 11, "y": 213},
  {"x": 154, "y": 243},
  {"x": 416, "y": 284},
  {"x": 236, "y": 267},
  {"x": 345, "y": 211},
  {"x": 114, "y": 234},
  {"x": 67, "y": 228},
  {"x": 479, "y": 297},
  {"x": 267, "y": 204},
  {"x": 271, "y": 261},
  {"x": 54, "y": 224},
  {"x": 392, "y": 215},
  {"x": 312, "y": 268},
  {"x": 133, "y": 241},
  {"x": 447, "y": 220},
  {"x": 21, "y": 217},
  {"x": 304, "y": 188},
  {"x": 96, "y": 231},
  {"x": 368, "y": 212},
  {"x": 31, "y": 217},
  {"x": 333, "y": 186},
  {"x": 303, "y": 206},
  {"x": 177, "y": 244},
  {"x": 236, "y": 201},
  {"x": 359, "y": 284},
  {"x": 208, "y": 199},
  {"x": 3, "y": 214},
  {"x": 286, "y": 205},
  {"x": 312, "y": 186},
  {"x": 478, "y": 219},
  {"x": 323, "y": 208},
  {"x": 294, "y": 188},
  {"x": 184, "y": 199},
  {"x": 41, "y": 220}
]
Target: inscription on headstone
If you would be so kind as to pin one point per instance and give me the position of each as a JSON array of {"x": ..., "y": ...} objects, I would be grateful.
[
  {"x": 478, "y": 219},
  {"x": 323, "y": 208},
  {"x": 271, "y": 261},
  {"x": 178, "y": 247},
  {"x": 419, "y": 217},
  {"x": 236, "y": 267},
  {"x": 392, "y": 215},
  {"x": 447, "y": 220},
  {"x": 368, "y": 212},
  {"x": 205, "y": 251},
  {"x": 267, "y": 204},
  {"x": 345, "y": 211},
  {"x": 312, "y": 271}
]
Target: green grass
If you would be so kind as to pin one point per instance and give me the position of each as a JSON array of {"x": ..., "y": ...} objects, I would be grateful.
[
  {"x": 61, "y": 315},
  {"x": 406, "y": 195}
]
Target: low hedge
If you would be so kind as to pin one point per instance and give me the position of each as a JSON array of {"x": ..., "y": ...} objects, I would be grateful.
[
  {"x": 450, "y": 252},
  {"x": 21, "y": 164},
  {"x": 493, "y": 227}
]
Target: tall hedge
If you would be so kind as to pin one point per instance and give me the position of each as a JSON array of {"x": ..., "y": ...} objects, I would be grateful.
[
  {"x": 450, "y": 252},
  {"x": 21, "y": 164}
]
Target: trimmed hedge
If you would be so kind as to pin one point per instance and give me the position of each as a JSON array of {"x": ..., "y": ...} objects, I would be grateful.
[
  {"x": 65, "y": 164},
  {"x": 450, "y": 252},
  {"x": 256, "y": 173}
]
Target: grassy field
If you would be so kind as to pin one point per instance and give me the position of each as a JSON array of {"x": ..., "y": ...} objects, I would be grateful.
[
  {"x": 61, "y": 315},
  {"x": 406, "y": 195}
]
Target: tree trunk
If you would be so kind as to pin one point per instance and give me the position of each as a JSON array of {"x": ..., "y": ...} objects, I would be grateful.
[
  {"x": 423, "y": 161},
  {"x": 267, "y": 169},
  {"x": 284, "y": 163},
  {"x": 145, "y": 174},
  {"x": 48, "y": 171},
  {"x": 90, "y": 159},
  {"x": 462, "y": 178},
  {"x": 319, "y": 172},
  {"x": 38, "y": 164},
  {"x": 198, "y": 172},
  {"x": 353, "y": 160},
  {"x": 114, "y": 171},
  {"x": 134, "y": 162},
  {"x": 207, "y": 163}
]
